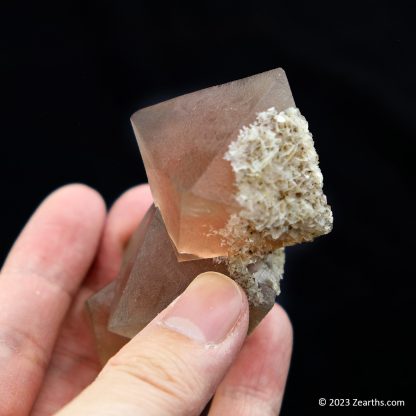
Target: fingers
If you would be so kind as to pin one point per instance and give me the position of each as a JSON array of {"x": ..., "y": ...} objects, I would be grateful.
[
  {"x": 128, "y": 211},
  {"x": 42, "y": 272},
  {"x": 124, "y": 217},
  {"x": 175, "y": 364},
  {"x": 255, "y": 383},
  {"x": 74, "y": 363}
]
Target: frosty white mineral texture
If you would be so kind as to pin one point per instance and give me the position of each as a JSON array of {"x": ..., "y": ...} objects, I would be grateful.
[{"x": 279, "y": 189}]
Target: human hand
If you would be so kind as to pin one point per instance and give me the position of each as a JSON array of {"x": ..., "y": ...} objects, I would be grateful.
[{"x": 69, "y": 249}]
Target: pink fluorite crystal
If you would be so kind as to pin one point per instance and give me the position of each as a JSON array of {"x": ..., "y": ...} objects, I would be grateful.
[
  {"x": 98, "y": 306},
  {"x": 183, "y": 142},
  {"x": 200, "y": 152},
  {"x": 151, "y": 277}
]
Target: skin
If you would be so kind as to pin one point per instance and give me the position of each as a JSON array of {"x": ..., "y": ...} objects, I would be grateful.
[{"x": 70, "y": 248}]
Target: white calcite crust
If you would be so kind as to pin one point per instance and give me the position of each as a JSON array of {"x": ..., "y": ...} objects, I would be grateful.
[
  {"x": 279, "y": 189},
  {"x": 254, "y": 272}
]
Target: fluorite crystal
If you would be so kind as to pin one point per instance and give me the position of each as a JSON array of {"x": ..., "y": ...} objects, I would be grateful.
[
  {"x": 154, "y": 277},
  {"x": 151, "y": 278},
  {"x": 98, "y": 307},
  {"x": 235, "y": 178},
  {"x": 183, "y": 142}
]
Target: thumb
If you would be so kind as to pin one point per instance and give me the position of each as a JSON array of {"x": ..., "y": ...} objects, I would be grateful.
[{"x": 174, "y": 365}]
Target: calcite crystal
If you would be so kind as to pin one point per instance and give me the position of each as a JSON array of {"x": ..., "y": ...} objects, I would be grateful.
[
  {"x": 279, "y": 191},
  {"x": 235, "y": 179}
]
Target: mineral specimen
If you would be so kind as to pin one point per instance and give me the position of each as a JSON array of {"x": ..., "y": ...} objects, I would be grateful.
[
  {"x": 235, "y": 178},
  {"x": 279, "y": 192},
  {"x": 155, "y": 278},
  {"x": 183, "y": 142},
  {"x": 98, "y": 307},
  {"x": 235, "y": 175}
]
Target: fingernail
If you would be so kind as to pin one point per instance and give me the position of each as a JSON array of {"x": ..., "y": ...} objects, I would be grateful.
[{"x": 208, "y": 309}]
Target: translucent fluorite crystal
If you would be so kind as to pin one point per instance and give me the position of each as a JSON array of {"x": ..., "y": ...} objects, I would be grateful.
[
  {"x": 98, "y": 306},
  {"x": 151, "y": 277},
  {"x": 183, "y": 142},
  {"x": 235, "y": 178}
]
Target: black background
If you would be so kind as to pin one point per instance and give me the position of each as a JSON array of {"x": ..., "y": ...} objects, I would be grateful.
[{"x": 74, "y": 71}]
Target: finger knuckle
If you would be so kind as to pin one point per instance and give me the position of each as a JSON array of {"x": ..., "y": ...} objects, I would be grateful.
[
  {"x": 18, "y": 344},
  {"x": 252, "y": 400},
  {"x": 162, "y": 371}
]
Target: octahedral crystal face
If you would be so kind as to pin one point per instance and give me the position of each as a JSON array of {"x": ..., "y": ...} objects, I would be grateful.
[
  {"x": 155, "y": 277},
  {"x": 98, "y": 307},
  {"x": 183, "y": 142}
]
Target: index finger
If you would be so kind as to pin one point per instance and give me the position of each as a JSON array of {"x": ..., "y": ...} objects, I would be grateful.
[{"x": 38, "y": 280}]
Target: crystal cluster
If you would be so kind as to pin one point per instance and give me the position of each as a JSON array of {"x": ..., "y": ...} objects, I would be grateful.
[{"x": 235, "y": 178}]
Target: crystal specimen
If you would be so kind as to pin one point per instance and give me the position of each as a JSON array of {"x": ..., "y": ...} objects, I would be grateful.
[
  {"x": 235, "y": 174},
  {"x": 98, "y": 307},
  {"x": 235, "y": 178},
  {"x": 183, "y": 142},
  {"x": 154, "y": 278},
  {"x": 279, "y": 189}
]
